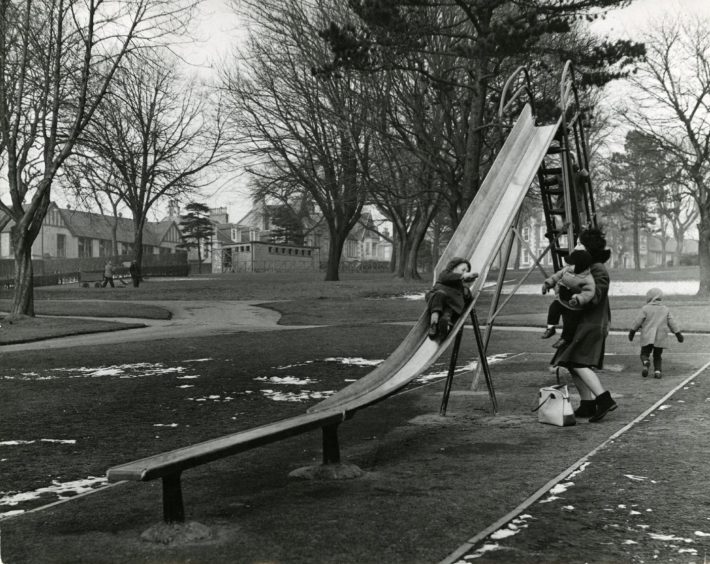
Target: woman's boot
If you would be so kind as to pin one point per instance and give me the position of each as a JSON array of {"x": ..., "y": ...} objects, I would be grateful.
[
  {"x": 586, "y": 409},
  {"x": 605, "y": 404}
]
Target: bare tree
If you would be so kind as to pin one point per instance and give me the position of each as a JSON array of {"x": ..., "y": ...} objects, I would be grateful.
[
  {"x": 299, "y": 128},
  {"x": 57, "y": 61},
  {"x": 671, "y": 104},
  {"x": 153, "y": 136}
]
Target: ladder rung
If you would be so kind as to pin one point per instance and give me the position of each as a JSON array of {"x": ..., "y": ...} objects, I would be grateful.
[
  {"x": 557, "y": 211},
  {"x": 553, "y": 170},
  {"x": 554, "y": 191},
  {"x": 552, "y": 181},
  {"x": 555, "y": 150}
]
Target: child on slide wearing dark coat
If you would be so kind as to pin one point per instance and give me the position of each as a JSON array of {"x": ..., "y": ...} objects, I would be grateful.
[{"x": 449, "y": 297}]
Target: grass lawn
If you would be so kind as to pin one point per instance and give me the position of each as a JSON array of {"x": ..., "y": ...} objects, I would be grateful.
[{"x": 306, "y": 299}]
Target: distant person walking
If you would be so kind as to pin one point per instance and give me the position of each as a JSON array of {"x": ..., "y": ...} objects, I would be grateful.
[
  {"x": 135, "y": 274},
  {"x": 108, "y": 275},
  {"x": 654, "y": 320},
  {"x": 586, "y": 350}
]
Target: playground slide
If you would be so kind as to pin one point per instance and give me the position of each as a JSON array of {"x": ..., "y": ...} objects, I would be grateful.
[{"x": 478, "y": 237}]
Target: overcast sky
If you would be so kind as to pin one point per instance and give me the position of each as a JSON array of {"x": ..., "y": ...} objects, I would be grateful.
[{"x": 218, "y": 28}]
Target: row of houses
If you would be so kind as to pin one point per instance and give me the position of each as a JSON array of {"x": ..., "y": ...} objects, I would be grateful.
[
  {"x": 652, "y": 252},
  {"x": 70, "y": 233},
  {"x": 245, "y": 246},
  {"x": 250, "y": 244}
]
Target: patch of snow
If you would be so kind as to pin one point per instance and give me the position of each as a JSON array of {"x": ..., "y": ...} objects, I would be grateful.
[
  {"x": 663, "y": 407},
  {"x": 22, "y": 442},
  {"x": 165, "y": 425},
  {"x": 636, "y": 478},
  {"x": 488, "y": 547},
  {"x": 357, "y": 361},
  {"x": 579, "y": 470},
  {"x": 61, "y": 490},
  {"x": 133, "y": 370},
  {"x": 471, "y": 366},
  {"x": 657, "y": 536},
  {"x": 186, "y": 386},
  {"x": 296, "y": 397},
  {"x": 568, "y": 507},
  {"x": 503, "y": 533},
  {"x": 629, "y": 541},
  {"x": 286, "y": 381},
  {"x": 701, "y": 534},
  {"x": 294, "y": 365}
]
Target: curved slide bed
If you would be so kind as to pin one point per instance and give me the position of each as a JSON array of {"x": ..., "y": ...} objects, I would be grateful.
[{"x": 478, "y": 237}]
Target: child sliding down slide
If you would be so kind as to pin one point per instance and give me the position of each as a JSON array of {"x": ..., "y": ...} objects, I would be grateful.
[{"x": 449, "y": 297}]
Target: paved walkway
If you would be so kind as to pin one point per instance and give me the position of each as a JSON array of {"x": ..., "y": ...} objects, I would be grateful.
[{"x": 196, "y": 318}]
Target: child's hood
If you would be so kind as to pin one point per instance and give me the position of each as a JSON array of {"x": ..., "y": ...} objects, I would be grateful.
[{"x": 654, "y": 295}]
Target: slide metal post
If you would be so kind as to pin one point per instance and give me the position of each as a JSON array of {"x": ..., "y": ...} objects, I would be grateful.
[
  {"x": 483, "y": 361},
  {"x": 173, "y": 509},
  {"x": 495, "y": 300},
  {"x": 450, "y": 375},
  {"x": 331, "y": 447}
]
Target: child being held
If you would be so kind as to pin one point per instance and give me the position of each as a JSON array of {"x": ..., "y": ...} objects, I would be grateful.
[
  {"x": 654, "y": 320},
  {"x": 449, "y": 297},
  {"x": 574, "y": 286}
]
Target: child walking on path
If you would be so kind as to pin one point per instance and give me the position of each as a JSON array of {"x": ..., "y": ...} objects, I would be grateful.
[
  {"x": 654, "y": 320},
  {"x": 449, "y": 297},
  {"x": 575, "y": 288}
]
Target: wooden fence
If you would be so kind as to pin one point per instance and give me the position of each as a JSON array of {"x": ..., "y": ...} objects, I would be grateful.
[{"x": 52, "y": 272}]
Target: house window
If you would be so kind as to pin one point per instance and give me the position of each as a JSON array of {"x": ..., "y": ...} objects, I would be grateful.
[
  {"x": 526, "y": 233},
  {"x": 105, "y": 248},
  {"x": 85, "y": 247},
  {"x": 61, "y": 245},
  {"x": 525, "y": 258}
]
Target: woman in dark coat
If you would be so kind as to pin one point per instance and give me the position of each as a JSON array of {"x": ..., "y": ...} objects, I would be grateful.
[{"x": 586, "y": 351}]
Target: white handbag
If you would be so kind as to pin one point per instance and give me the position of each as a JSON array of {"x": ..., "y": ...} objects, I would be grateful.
[{"x": 554, "y": 407}]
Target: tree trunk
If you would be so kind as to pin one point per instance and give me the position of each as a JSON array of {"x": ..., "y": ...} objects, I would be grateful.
[
  {"x": 138, "y": 245},
  {"x": 416, "y": 237},
  {"x": 704, "y": 250},
  {"x": 199, "y": 256},
  {"x": 637, "y": 247},
  {"x": 23, "y": 297},
  {"x": 335, "y": 253}
]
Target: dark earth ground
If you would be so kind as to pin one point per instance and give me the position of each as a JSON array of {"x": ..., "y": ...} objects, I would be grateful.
[{"x": 432, "y": 483}]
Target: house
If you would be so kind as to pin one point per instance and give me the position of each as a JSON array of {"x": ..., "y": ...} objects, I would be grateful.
[
  {"x": 533, "y": 230},
  {"x": 69, "y": 233},
  {"x": 254, "y": 243}
]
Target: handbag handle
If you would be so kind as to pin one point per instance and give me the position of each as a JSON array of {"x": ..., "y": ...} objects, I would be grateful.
[{"x": 551, "y": 396}]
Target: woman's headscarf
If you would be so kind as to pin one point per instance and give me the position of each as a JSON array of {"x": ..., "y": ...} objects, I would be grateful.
[{"x": 594, "y": 241}]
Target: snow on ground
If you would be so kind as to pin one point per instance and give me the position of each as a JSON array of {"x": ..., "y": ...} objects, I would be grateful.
[
  {"x": 672, "y": 287},
  {"x": 122, "y": 371},
  {"x": 61, "y": 490}
]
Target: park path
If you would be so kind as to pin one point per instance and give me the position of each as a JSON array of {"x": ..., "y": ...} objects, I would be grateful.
[{"x": 196, "y": 318}]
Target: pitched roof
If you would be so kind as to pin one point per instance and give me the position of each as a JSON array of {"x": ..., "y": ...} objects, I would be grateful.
[{"x": 98, "y": 226}]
